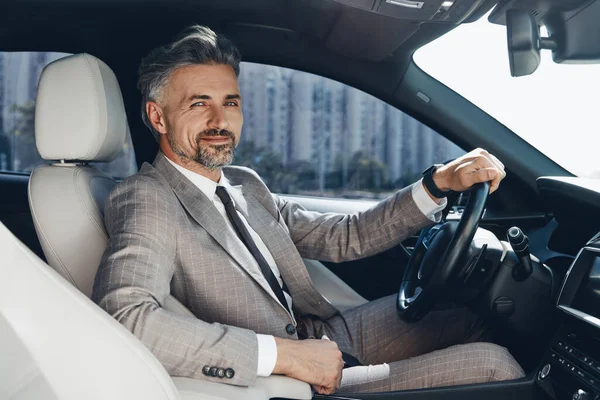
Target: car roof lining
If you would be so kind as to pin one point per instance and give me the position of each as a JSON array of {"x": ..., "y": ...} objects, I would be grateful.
[{"x": 93, "y": 24}]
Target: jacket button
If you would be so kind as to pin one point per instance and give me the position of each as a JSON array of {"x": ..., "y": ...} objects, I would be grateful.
[
  {"x": 229, "y": 373},
  {"x": 290, "y": 329},
  {"x": 213, "y": 371},
  {"x": 206, "y": 370},
  {"x": 221, "y": 373}
]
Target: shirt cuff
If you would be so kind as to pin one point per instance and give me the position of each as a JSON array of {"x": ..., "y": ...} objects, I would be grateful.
[
  {"x": 267, "y": 355},
  {"x": 426, "y": 204}
]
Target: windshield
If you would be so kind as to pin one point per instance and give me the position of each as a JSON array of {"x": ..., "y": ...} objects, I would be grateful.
[{"x": 555, "y": 109}]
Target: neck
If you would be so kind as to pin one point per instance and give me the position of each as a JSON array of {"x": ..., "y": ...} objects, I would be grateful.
[{"x": 212, "y": 174}]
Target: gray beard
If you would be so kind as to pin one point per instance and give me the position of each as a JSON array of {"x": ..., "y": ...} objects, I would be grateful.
[{"x": 210, "y": 157}]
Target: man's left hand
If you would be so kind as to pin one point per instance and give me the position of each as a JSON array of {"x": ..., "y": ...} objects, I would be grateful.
[{"x": 474, "y": 167}]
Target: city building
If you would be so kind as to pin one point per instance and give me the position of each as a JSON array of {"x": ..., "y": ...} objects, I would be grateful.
[{"x": 308, "y": 118}]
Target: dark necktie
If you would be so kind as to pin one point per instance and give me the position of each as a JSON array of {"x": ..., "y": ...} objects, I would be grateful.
[{"x": 243, "y": 233}]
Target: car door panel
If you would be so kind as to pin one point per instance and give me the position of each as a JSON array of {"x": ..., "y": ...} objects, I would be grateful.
[
  {"x": 353, "y": 282},
  {"x": 338, "y": 292}
]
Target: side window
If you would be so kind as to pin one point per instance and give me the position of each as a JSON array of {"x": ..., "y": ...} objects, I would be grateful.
[
  {"x": 19, "y": 76},
  {"x": 308, "y": 135}
]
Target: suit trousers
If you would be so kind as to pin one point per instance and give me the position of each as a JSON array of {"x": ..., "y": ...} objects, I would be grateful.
[{"x": 439, "y": 350}]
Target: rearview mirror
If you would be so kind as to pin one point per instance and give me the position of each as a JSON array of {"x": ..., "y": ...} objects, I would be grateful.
[{"x": 523, "y": 36}]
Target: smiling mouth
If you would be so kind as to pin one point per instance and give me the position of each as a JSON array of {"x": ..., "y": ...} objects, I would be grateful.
[{"x": 216, "y": 139}]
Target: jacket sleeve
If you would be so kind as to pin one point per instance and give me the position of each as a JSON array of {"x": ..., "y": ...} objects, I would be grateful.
[
  {"x": 133, "y": 282},
  {"x": 344, "y": 237}
]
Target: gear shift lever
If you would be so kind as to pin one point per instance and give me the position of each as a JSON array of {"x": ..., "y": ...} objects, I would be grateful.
[{"x": 520, "y": 245}]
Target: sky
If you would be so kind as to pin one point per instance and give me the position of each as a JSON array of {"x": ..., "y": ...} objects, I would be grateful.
[{"x": 556, "y": 109}]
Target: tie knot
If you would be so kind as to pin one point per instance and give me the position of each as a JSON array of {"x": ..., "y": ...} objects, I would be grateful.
[{"x": 223, "y": 195}]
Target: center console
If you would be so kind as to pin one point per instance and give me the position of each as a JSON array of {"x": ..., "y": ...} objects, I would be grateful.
[{"x": 571, "y": 369}]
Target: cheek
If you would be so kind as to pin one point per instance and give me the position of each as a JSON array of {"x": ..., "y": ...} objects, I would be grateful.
[
  {"x": 236, "y": 120},
  {"x": 191, "y": 121},
  {"x": 190, "y": 126}
]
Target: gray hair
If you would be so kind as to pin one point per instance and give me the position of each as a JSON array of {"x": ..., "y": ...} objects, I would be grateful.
[{"x": 195, "y": 45}]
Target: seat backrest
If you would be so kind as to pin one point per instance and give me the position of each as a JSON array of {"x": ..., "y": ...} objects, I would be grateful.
[
  {"x": 57, "y": 344},
  {"x": 79, "y": 117}
]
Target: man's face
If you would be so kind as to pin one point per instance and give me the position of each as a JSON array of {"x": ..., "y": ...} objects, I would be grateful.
[{"x": 202, "y": 114}]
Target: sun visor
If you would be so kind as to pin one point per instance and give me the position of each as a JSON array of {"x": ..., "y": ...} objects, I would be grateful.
[
  {"x": 453, "y": 11},
  {"x": 353, "y": 35}
]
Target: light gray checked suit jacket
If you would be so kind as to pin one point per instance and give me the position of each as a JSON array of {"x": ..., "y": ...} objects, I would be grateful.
[{"x": 166, "y": 237}]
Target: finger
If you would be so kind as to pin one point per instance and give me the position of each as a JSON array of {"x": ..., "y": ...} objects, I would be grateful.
[
  {"x": 499, "y": 166},
  {"x": 477, "y": 153},
  {"x": 484, "y": 161},
  {"x": 496, "y": 182},
  {"x": 502, "y": 175},
  {"x": 468, "y": 157},
  {"x": 328, "y": 389},
  {"x": 320, "y": 389},
  {"x": 494, "y": 185},
  {"x": 489, "y": 161},
  {"x": 490, "y": 174},
  {"x": 498, "y": 162},
  {"x": 483, "y": 175}
]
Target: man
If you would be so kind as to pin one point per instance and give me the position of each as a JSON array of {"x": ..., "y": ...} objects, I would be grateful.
[{"x": 216, "y": 239}]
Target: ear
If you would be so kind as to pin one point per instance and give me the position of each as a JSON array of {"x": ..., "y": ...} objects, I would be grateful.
[{"x": 156, "y": 117}]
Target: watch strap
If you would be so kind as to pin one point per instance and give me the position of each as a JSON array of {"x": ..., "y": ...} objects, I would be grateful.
[{"x": 430, "y": 185}]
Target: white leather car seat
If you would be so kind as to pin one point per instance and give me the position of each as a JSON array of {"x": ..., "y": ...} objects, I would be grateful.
[
  {"x": 56, "y": 344},
  {"x": 79, "y": 118}
]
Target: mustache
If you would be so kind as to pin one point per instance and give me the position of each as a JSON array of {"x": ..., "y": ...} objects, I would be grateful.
[{"x": 216, "y": 132}]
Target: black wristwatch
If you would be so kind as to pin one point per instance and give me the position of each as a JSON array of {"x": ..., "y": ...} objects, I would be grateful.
[{"x": 430, "y": 184}]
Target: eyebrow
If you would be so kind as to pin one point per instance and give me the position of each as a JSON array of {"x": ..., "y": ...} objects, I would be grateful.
[{"x": 207, "y": 97}]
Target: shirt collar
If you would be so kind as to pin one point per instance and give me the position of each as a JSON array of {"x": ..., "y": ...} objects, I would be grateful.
[{"x": 206, "y": 186}]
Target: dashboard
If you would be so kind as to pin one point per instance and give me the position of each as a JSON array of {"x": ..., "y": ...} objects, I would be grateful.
[
  {"x": 580, "y": 294},
  {"x": 571, "y": 367},
  {"x": 575, "y": 205}
]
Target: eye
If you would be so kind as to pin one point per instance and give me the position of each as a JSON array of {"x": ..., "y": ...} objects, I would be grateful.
[
  {"x": 198, "y": 104},
  {"x": 231, "y": 104}
]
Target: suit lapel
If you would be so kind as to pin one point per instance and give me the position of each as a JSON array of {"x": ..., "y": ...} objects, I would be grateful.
[{"x": 206, "y": 215}]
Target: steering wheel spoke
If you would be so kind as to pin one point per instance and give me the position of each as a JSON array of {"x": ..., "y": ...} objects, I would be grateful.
[{"x": 437, "y": 256}]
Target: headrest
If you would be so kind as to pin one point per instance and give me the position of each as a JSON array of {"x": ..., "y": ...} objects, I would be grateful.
[{"x": 79, "y": 113}]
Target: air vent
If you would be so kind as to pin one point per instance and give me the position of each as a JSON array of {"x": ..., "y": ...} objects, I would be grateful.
[
  {"x": 539, "y": 15},
  {"x": 536, "y": 13}
]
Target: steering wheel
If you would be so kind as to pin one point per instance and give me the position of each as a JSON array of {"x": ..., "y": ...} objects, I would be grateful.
[{"x": 437, "y": 257}]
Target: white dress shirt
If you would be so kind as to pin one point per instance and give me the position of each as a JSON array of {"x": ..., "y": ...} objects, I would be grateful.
[{"x": 267, "y": 349}]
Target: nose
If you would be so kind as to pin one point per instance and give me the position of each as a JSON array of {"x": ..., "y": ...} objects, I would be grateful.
[{"x": 217, "y": 119}]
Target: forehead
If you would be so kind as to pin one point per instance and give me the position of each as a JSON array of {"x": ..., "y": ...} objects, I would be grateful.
[{"x": 210, "y": 80}]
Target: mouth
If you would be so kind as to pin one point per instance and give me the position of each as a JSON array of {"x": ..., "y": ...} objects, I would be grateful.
[{"x": 216, "y": 140}]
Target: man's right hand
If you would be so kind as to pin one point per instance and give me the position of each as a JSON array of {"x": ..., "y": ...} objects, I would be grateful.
[{"x": 317, "y": 362}]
